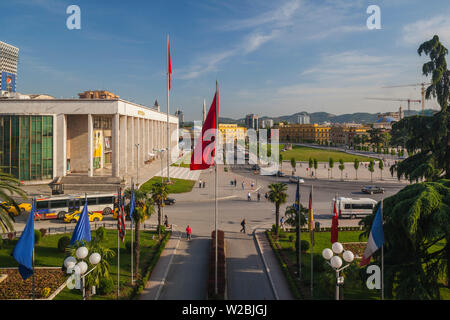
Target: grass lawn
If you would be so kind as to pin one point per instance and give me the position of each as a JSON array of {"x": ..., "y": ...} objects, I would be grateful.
[
  {"x": 179, "y": 185},
  {"x": 354, "y": 288},
  {"x": 301, "y": 153},
  {"x": 182, "y": 164},
  {"x": 47, "y": 255}
]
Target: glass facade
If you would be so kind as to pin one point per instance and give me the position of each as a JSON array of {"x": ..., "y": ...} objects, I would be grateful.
[{"x": 26, "y": 146}]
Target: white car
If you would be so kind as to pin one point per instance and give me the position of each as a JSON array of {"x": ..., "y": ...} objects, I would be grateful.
[{"x": 293, "y": 179}]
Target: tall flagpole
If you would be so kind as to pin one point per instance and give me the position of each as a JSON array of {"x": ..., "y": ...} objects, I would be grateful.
[
  {"x": 118, "y": 244},
  {"x": 215, "y": 190},
  {"x": 132, "y": 275},
  {"x": 299, "y": 234},
  {"x": 382, "y": 257},
  {"x": 168, "y": 104},
  {"x": 312, "y": 244},
  {"x": 33, "y": 285}
]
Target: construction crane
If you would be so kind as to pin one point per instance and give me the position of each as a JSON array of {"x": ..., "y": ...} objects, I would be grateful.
[
  {"x": 423, "y": 84},
  {"x": 402, "y": 100}
]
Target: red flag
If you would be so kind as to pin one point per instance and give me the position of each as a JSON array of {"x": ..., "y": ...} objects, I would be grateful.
[
  {"x": 334, "y": 225},
  {"x": 206, "y": 145},
  {"x": 169, "y": 67}
]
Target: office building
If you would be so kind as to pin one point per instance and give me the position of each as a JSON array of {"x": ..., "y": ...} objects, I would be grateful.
[
  {"x": 305, "y": 133},
  {"x": 303, "y": 118},
  {"x": 251, "y": 121},
  {"x": 9, "y": 57}
]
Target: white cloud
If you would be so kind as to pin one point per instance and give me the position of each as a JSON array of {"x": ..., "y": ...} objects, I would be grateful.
[{"x": 423, "y": 30}]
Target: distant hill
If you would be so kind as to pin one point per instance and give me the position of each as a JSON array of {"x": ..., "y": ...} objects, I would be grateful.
[{"x": 320, "y": 117}]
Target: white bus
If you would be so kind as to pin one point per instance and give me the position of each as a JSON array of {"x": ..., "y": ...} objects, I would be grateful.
[
  {"x": 58, "y": 207},
  {"x": 349, "y": 207}
]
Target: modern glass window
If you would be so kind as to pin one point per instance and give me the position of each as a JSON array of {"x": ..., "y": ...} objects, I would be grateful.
[{"x": 26, "y": 146}]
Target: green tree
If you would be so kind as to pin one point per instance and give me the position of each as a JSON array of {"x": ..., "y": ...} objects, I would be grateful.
[
  {"x": 159, "y": 193},
  {"x": 281, "y": 161},
  {"x": 356, "y": 166},
  {"x": 143, "y": 210},
  {"x": 310, "y": 165},
  {"x": 428, "y": 137},
  {"x": 376, "y": 136},
  {"x": 417, "y": 240},
  {"x": 278, "y": 196},
  {"x": 341, "y": 167},
  {"x": 371, "y": 169},
  {"x": 331, "y": 165},
  {"x": 292, "y": 220},
  {"x": 316, "y": 165},
  {"x": 381, "y": 167},
  {"x": 293, "y": 164},
  {"x": 8, "y": 186}
]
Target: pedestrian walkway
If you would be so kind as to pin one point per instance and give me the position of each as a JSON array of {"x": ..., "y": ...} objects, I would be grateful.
[{"x": 180, "y": 173}]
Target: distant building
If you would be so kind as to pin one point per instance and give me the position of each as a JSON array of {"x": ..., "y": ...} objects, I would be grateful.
[
  {"x": 385, "y": 120},
  {"x": 343, "y": 133},
  {"x": 251, "y": 121},
  {"x": 180, "y": 116},
  {"x": 98, "y": 94},
  {"x": 156, "y": 106},
  {"x": 232, "y": 131},
  {"x": 267, "y": 123},
  {"x": 9, "y": 57},
  {"x": 305, "y": 133},
  {"x": 303, "y": 118}
]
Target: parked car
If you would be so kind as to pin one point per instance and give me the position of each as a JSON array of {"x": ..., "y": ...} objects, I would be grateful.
[
  {"x": 73, "y": 217},
  {"x": 279, "y": 174},
  {"x": 294, "y": 179},
  {"x": 24, "y": 207},
  {"x": 372, "y": 189},
  {"x": 169, "y": 201},
  {"x": 256, "y": 167}
]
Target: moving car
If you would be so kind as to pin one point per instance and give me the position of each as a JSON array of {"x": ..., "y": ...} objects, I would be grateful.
[
  {"x": 294, "y": 179},
  {"x": 351, "y": 207},
  {"x": 372, "y": 189},
  {"x": 73, "y": 217},
  {"x": 169, "y": 201}
]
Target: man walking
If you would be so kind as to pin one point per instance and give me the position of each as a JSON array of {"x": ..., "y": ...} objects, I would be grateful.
[
  {"x": 188, "y": 233},
  {"x": 249, "y": 196},
  {"x": 200, "y": 183},
  {"x": 259, "y": 196},
  {"x": 235, "y": 182},
  {"x": 243, "y": 223}
]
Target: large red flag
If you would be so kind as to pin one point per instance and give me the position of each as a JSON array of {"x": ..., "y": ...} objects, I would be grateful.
[
  {"x": 204, "y": 151},
  {"x": 334, "y": 225},
  {"x": 169, "y": 66}
]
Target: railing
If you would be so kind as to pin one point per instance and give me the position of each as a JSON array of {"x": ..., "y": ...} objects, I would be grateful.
[{"x": 94, "y": 226}]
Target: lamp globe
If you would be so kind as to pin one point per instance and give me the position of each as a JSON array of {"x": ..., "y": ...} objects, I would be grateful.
[
  {"x": 327, "y": 254},
  {"x": 82, "y": 252},
  {"x": 348, "y": 256},
  {"x": 336, "y": 262},
  {"x": 95, "y": 258},
  {"x": 337, "y": 247}
]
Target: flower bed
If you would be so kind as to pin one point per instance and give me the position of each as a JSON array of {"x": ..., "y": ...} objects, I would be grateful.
[
  {"x": 14, "y": 287},
  {"x": 356, "y": 247}
]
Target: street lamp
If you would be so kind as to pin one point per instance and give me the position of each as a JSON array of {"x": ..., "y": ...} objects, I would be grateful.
[
  {"x": 137, "y": 169},
  {"x": 335, "y": 261},
  {"x": 160, "y": 151},
  {"x": 74, "y": 264}
]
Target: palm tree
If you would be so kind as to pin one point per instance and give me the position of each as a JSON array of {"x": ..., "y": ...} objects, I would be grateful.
[
  {"x": 356, "y": 166},
  {"x": 143, "y": 210},
  {"x": 341, "y": 167},
  {"x": 278, "y": 196},
  {"x": 292, "y": 220},
  {"x": 8, "y": 186},
  {"x": 159, "y": 194}
]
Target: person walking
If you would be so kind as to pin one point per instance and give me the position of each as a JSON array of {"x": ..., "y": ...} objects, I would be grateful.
[
  {"x": 166, "y": 221},
  {"x": 259, "y": 196},
  {"x": 243, "y": 185},
  {"x": 266, "y": 195},
  {"x": 235, "y": 182},
  {"x": 243, "y": 223},
  {"x": 204, "y": 184},
  {"x": 200, "y": 183},
  {"x": 282, "y": 223},
  {"x": 252, "y": 184},
  {"x": 249, "y": 196},
  {"x": 188, "y": 232}
]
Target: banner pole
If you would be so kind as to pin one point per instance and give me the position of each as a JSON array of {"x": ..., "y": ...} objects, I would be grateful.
[
  {"x": 216, "y": 290},
  {"x": 312, "y": 245},
  {"x": 168, "y": 105},
  {"x": 33, "y": 285},
  {"x": 118, "y": 245},
  {"x": 382, "y": 258},
  {"x": 131, "y": 222},
  {"x": 299, "y": 234}
]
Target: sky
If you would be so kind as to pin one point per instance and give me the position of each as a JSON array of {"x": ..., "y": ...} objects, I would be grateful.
[{"x": 271, "y": 58}]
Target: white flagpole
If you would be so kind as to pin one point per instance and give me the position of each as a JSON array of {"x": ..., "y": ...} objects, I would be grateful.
[
  {"x": 168, "y": 105},
  {"x": 215, "y": 193},
  {"x": 382, "y": 257},
  {"x": 118, "y": 246},
  {"x": 312, "y": 245},
  {"x": 131, "y": 222},
  {"x": 299, "y": 234}
]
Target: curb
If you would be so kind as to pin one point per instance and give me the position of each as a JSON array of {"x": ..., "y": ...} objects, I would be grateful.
[
  {"x": 163, "y": 280},
  {"x": 265, "y": 264}
]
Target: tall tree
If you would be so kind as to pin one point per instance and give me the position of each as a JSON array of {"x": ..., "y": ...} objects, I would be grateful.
[
  {"x": 293, "y": 165},
  {"x": 417, "y": 240},
  {"x": 331, "y": 165},
  {"x": 159, "y": 193},
  {"x": 278, "y": 196},
  {"x": 371, "y": 169},
  {"x": 316, "y": 165},
  {"x": 356, "y": 166},
  {"x": 292, "y": 220},
  {"x": 341, "y": 167},
  {"x": 310, "y": 165},
  {"x": 381, "y": 167}
]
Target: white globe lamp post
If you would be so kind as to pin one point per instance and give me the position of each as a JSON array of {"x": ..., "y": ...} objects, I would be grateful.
[{"x": 332, "y": 256}]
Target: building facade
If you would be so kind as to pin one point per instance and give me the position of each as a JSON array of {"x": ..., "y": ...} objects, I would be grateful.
[
  {"x": 232, "y": 132},
  {"x": 9, "y": 57},
  {"x": 343, "y": 134},
  {"x": 98, "y": 94},
  {"x": 43, "y": 139},
  {"x": 305, "y": 133},
  {"x": 303, "y": 118},
  {"x": 251, "y": 121},
  {"x": 267, "y": 123}
]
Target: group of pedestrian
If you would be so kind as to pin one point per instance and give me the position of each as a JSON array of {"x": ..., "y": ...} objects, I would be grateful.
[
  {"x": 201, "y": 184},
  {"x": 233, "y": 182}
]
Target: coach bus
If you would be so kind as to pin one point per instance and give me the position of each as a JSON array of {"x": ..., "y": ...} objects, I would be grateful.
[
  {"x": 349, "y": 207},
  {"x": 58, "y": 207}
]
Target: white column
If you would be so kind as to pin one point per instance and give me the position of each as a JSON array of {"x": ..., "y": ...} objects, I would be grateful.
[
  {"x": 115, "y": 145},
  {"x": 137, "y": 133},
  {"x": 123, "y": 131},
  {"x": 130, "y": 142},
  {"x": 60, "y": 145},
  {"x": 90, "y": 146},
  {"x": 149, "y": 139},
  {"x": 142, "y": 142}
]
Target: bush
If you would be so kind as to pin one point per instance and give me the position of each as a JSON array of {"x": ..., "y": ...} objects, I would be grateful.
[
  {"x": 1, "y": 243},
  {"x": 100, "y": 234},
  {"x": 291, "y": 238},
  {"x": 320, "y": 264},
  {"x": 304, "y": 245},
  {"x": 274, "y": 229},
  {"x": 63, "y": 243},
  {"x": 106, "y": 286},
  {"x": 43, "y": 232},
  {"x": 37, "y": 236},
  {"x": 163, "y": 229}
]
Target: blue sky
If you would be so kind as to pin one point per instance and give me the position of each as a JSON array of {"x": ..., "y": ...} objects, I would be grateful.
[{"x": 270, "y": 57}]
